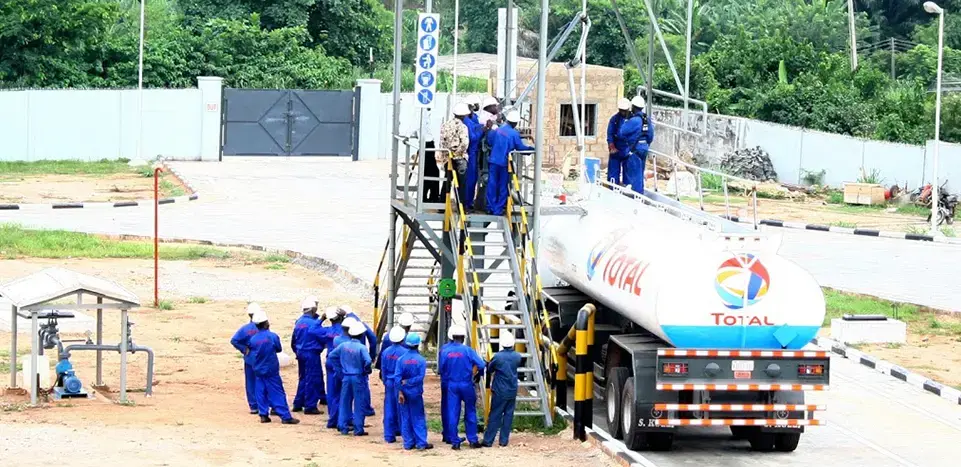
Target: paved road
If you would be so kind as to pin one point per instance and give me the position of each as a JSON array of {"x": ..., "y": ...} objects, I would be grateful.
[
  {"x": 337, "y": 210},
  {"x": 872, "y": 420}
]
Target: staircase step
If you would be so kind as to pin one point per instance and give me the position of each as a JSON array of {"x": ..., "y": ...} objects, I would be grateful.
[
  {"x": 503, "y": 326},
  {"x": 529, "y": 399},
  {"x": 528, "y": 414},
  {"x": 504, "y": 312},
  {"x": 404, "y": 294},
  {"x": 490, "y": 257},
  {"x": 416, "y": 266},
  {"x": 484, "y": 230},
  {"x": 406, "y": 304},
  {"x": 502, "y": 244},
  {"x": 417, "y": 276},
  {"x": 527, "y": 384}
]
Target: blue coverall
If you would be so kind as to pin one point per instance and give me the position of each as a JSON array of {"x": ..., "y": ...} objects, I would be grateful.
[
  {"x": 502, "y": 141},
  {"x": 241, "y": 341},
  {"x": 270, "y": 388},
  {"x": 638, "y": 134},
  {"x": 335, "y": 337},
  {"x": 389, "y": 356},
  {"x": 457, "y": 363},
  {"x": 503, "y": 367},
  {"x": 355, "y": 362},
  {"x": 475, "y": 132},
  {"x": 370, "y": 339},
  {"x": 310, "y": 370},
  {"x": 617, "y": 160},
  {"x": 446, "y": 435},
  {"x": 409, "y": 375}
]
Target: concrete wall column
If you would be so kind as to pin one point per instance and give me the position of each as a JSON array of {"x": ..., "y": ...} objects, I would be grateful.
[
  {"x": 211, "y": 89},
  {"x": 369, "y": 119}
]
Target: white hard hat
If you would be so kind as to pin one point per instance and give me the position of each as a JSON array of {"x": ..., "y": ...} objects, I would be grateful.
[
  {"x": 260, "y": 316},
  {"x": 473, "y": 99},
  {"x": 513, "y": 116},
  {"x": 252, "y": 309},
  {"x": 308, "y": 303},
  {"x": 623, "y": 104},
  {"x": 458, "y": 330},
  {"x": 356, "y": 329},
  {"x": 506, "y": 339},
  {"x": 397, "y": 334},
  {"x": 450, "y": 333},
  {"x": 461, "y": 109},
  {"x": 638, "y": 102},
  {"x": 488, "y": 101},
  {"x": 330, "y": 312},
  {"x": 348, "y": 322},
  {"x": 406, "y": 320},
  {"x": 346, "y": 309}
]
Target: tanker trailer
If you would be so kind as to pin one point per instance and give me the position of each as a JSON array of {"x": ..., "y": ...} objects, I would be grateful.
[{"x": 699, "y": 322}]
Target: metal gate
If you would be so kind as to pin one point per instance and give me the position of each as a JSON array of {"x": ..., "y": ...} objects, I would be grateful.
[{"x": 268, "y": 122}]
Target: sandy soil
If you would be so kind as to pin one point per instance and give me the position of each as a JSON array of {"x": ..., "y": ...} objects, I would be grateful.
[
  {"x": 198, "y": 415},
  {"x": 78, "y": 188}
]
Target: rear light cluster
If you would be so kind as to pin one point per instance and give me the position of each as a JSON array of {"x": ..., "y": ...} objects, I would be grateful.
[
  {"x": 675, "y": 369},
  {"x": 810, "y": 370}
]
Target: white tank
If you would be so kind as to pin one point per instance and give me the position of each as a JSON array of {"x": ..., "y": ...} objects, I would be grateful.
[{"x": 689, "y": 285}]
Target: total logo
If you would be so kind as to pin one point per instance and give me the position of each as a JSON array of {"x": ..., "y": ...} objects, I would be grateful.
[
  {"x": 741, "y": 281},
  {"x": 601, "y": 248}
]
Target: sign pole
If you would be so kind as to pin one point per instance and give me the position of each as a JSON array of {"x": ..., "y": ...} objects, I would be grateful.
[{"x": 156, "y": 240}]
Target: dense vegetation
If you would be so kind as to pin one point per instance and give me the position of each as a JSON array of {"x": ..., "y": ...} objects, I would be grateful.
[{"x": 785, "y": 61}]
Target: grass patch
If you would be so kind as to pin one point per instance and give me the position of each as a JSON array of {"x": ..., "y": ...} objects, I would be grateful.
[
  {"x": 5, "y": 361},
  {"x": 275, "y": 267},
  {"x": 536, "y": 424},
  {"x": 16, "y": 241},
  {"x": 198, "y": 300},
  {"x": 711, "y": 181},
  {"x": 13, "y": 407},
  {"x": 845, "y": 224},
  {"x": 65, "y": 167},
  {"x": 835, "y": 197},
  {"x": 918, "y": 320},
  {"x": 275, "y": 258},
  {"x": 165, "y": 305},
  {"x": 948, "y": 232},
  {"x": 913, "y": 210},
  {"x": 169, "y": 189},
  {"x": 144, "y": 171}
]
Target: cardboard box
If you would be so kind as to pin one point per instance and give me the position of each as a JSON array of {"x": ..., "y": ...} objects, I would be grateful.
[{"x": 863, "y": 193}]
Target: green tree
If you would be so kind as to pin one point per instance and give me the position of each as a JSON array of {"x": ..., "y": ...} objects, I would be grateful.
[{"x": 351, "y": 28}]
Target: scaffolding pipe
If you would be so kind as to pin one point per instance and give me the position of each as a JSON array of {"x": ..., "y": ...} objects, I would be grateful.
[
  {"x": 391, "y": 239},
  {"x": 539, "y": 131},
  {"x": 561, "y": 38},
  {"x": 687, "y": 60},
  {"x": 583, "y": 54},
  {"x": 628, "y": 40},
  {"x": 660, "y": 38}
]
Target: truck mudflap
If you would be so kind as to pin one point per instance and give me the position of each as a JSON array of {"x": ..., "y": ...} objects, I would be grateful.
[{"x": 749, "y": 388}]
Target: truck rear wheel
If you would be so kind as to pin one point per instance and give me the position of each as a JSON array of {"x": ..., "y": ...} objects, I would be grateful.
[
  {"x": 616, "y": 381},
  {"x": 787, "y": 442},
  {"x": 634, "y": 439}
]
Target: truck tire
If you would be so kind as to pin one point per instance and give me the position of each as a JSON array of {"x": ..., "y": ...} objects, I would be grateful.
[
  {"x": 634, "y": 439},
  {"x": 762, "y": 442},
  {"x": 786, "y": 442},
  {"x": 616, "y": 382}
]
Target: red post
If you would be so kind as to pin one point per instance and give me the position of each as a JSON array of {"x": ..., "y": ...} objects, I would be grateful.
[{"x": 156, "y": 249}]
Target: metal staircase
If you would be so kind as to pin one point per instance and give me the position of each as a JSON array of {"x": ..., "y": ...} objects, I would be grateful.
[{"x": 415, "y": 281}]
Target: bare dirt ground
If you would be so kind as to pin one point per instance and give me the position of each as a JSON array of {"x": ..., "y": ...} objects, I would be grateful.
[
  {"x": 931, "y": 352},
  {"x": 28, "y": 189},
  {"x": 198, "y": 414}
]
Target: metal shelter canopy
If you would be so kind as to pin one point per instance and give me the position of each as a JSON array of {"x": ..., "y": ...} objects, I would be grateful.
[{"x": 33, "y": 294}]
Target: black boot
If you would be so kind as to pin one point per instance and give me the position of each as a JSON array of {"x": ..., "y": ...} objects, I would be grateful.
[
  {"x": 291, "y": 421},
  {"x": 476, "y": 445},
  {"x": 311, "y": 412},
  {"x": 264, "y": 419},
  {"x": 254, "y": 412},
  {"x": 297, "y": 409}
]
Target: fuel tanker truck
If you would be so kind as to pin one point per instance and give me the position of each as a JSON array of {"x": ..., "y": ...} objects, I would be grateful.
[{"x": 699, "y": 322}]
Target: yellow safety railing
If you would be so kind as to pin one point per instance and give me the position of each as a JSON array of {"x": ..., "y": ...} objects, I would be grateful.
[{"x": 535, "y": 288}]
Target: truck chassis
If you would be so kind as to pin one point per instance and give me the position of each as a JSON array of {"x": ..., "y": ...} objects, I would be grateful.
[{"x": 650, "y": 388}]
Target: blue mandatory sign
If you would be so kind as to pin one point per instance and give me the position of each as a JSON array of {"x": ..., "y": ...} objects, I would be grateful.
[
  {"x": 425, "y": 96},
  {"x": 428, "y": 43},
  {"x": 426, "y": 61},
  {"x": 426, "y": 79},
  {"x": 428, "y": 25}
]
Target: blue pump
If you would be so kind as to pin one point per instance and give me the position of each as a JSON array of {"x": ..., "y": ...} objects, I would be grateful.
[{"x": 68, "y": 384}]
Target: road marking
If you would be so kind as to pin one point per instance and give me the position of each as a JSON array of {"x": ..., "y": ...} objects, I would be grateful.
[
  {"x": 866, "y": 442},
  {"x": 917, "y": 409}
]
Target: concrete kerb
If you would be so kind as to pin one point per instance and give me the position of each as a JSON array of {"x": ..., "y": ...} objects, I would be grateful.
[
  {"x": 610, "y": 446},
  {"x": 331, "y": 269},
  {"x": 847, "y": 230},
  {"x": 888, "y": 368},
  {"x": 191, "y": 196}
]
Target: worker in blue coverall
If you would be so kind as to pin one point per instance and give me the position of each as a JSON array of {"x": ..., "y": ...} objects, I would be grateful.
[
  {"x": 409, "y": 376},
  {"x": 447, "y": 435},
  {"x": 638, "y": 132},
  {"x": 369, "y": 338},
  {"x": 504, "y": 140},
  {"x": 241, "y": 341},
  {"x": 387, "y": 363},
  {"x": 475, "y": 133},
  {"x": 310, "y": 370},
  {"x": 335, "y": 337},
  {"x": 503, "y": 371},
  {"x": 617, "y": 161},
  {"x": 264, "y": 347},
  {"x": 355, "y": 362},
  {"x": 461, "y": 366}
]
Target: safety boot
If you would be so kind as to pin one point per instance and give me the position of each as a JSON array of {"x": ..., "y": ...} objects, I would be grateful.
[
  {"x": 291, "y": 421},
  {"x": 264, "y": 419}
]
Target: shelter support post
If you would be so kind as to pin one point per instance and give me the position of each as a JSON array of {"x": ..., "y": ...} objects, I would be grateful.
[
  {"x": 34, "y": 348},
  {"x": 123, "y": 355},
  {"x": 99, "y": 342},
  {"x": 13, "y": 346}
]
